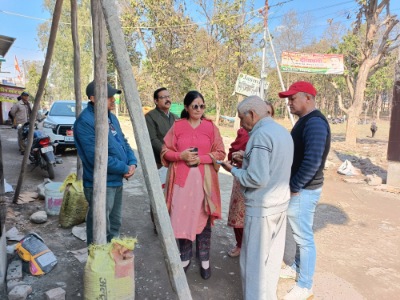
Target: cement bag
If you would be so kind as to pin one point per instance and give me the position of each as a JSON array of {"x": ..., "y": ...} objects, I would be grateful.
[
  {"x": 74, "y": 205},
  {"x": 109, "y": 271},
  {"x": 33, "y": 250}
]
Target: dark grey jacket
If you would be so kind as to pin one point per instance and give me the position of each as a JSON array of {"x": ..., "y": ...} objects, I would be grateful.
[{"x": 158, "y": 124}]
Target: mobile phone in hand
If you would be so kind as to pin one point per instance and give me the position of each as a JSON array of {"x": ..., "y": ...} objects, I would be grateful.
[
  {"x": 220, "y": 162},
  {"x": 195, "y": 149}
]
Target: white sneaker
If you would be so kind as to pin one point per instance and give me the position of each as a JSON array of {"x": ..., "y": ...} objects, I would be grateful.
[
  {"x": 298, "y": 293},
  {"x": 289, "y": 273}
]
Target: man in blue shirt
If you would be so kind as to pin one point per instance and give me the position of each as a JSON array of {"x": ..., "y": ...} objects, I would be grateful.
[
  {"x": 121, "y": 161},
  {"x": 312, "y": 137}
]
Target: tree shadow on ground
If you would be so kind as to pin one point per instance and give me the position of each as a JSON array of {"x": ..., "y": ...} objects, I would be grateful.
[
  {"x": 328, "y": 214},
  {"x": 367, "y": 140},
  {"x": 325, "y": 214},
  {"x": 364, "y": 164}
]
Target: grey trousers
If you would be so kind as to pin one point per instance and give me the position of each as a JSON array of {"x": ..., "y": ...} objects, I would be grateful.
[{"x": 261, "y": 255}]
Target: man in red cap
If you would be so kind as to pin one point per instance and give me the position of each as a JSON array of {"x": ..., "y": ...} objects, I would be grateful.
[{"x": 312, "y": 137}]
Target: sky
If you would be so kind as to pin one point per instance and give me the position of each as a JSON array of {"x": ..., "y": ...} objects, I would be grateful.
[{"x": 20, "y": 18}]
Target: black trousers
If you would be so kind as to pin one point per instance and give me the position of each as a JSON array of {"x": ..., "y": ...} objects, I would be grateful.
[{"x": 203, "y": 243}]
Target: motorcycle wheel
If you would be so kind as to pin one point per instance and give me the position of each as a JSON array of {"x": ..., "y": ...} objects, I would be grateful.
[{"x": 50, "y": 170}]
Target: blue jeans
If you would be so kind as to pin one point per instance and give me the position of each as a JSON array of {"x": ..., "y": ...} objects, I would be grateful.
[
  {"x": 301, "y": 217},
  {"x": 113, "y": 212}
]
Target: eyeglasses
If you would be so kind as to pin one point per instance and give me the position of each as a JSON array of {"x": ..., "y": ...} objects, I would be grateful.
[
  {"x": 164, "y": 97},
  {"x": 196, "y": 106}
]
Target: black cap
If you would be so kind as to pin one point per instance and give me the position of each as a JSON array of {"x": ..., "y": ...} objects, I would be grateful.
[
  {"x": 110, "y": 90},
  {"x": 24, "y": 94}
]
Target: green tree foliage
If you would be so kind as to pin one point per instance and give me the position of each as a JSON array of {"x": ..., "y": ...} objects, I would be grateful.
[{"x": 60, "y": 78}]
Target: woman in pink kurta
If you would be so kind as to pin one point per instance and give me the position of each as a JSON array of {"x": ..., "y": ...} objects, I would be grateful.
[{"x": 191, "y": 149}]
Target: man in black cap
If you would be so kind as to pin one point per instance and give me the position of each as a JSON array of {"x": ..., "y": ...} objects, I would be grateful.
[
  {"x": 121, "y": 161},
  {"x": 21, "y": 112}
]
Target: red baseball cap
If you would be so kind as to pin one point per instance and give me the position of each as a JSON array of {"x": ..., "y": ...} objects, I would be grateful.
[{"x": 299, "y": 86}]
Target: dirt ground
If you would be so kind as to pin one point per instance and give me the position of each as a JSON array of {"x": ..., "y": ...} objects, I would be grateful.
[{"x": 356, "y": 230}]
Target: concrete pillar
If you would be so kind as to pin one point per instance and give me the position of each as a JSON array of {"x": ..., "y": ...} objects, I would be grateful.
[{"x": 393, "y": 174}]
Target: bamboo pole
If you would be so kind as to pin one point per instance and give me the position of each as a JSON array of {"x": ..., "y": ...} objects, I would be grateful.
[
  {"x": 101, "y": 126},
  {"x": 162, "y": 220},
  {"x": 39, "y": 94},
  {"x": 77, "y": 74}
]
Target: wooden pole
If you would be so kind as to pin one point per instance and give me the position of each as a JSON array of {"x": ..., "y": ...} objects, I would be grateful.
[
  {"x": 162, "y": 220},
  {"x": 3, "y": 208},
  {"x": 101, "y": 126},
  {"x": 39, "y": 94},
  {"x": 77, "y": 74}
]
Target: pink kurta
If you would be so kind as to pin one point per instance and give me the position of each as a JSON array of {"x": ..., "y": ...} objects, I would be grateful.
[
  {"x": 187, "y": 188},
  {"x": 188, "y": 217}
]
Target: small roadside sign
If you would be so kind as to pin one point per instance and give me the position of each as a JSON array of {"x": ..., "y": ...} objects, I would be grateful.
[{"x": 247, "y": 85}]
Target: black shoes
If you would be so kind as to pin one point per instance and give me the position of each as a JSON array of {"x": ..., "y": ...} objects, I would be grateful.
[{"x": 205, "y": 273}]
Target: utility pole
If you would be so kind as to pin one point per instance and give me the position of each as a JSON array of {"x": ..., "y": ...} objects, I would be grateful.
[
  {"x": 263, "y": 76},
  {"x": 280, "y": 76}
]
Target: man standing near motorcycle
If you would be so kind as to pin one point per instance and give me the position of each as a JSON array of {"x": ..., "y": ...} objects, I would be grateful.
[
  {"x": 121, "y": 161},
  {"x": 21, "y": 112}
]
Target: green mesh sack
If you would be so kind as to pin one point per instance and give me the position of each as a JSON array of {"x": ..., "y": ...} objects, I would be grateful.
[{"x": 74, "y": 206}]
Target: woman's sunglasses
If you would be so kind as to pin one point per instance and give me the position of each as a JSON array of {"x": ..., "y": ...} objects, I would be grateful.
[{"x": 196, "y": 106}]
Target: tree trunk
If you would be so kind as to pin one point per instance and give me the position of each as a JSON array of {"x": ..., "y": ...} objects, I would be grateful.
[
  {"x": 217, "y": 102},
  {"x": 378, "y": 106},
  {"x": 77, "y": 74},
  {"x": 39, "y": 94},
  {"x": 356, "y": 108}
]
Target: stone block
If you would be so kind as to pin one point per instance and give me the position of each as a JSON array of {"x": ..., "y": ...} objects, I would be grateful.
[
  {"x": 14, "y": 270},
  {"x": 373, "y": 180},
  {"x": 20, "y": 292},
  {"x": 39, "y": 217},
  {"x": 55, "y": 294},
  {"x": 13, "y": 283}
]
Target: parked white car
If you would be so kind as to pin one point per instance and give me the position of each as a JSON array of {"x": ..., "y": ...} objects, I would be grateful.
[{"x": 59, "y": 122}]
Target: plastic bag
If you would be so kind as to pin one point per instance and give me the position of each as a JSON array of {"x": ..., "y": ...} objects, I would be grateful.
[
  {"x": 74, "y": 206},
  {"x": 109, "y": 271},
  {"x": 32, "y": 249},
  {"x": 346, "y": 168}
]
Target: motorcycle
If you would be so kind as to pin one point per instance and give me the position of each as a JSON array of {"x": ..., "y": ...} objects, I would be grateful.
[{"x": 42, "y": 150}]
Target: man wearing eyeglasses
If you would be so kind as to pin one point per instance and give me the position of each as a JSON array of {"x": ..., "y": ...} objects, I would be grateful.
[{"x": 159, "y": 121}]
